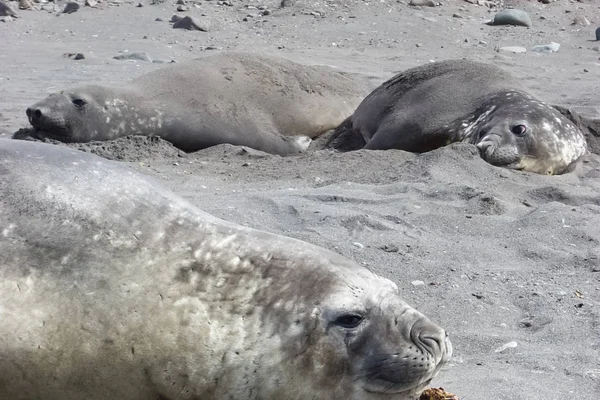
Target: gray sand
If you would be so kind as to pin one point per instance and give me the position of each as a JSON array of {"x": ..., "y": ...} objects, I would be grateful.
[{"x": 509, "y": 261}]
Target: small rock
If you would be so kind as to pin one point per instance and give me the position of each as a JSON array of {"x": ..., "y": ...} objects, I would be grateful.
[
  {"x": 7, "y": 11},
  {"x": 509, "y": 345},
  {"x": 514, "y": 49},
  {"x": 159, "y": 19},
  {"x": 74, "y": 56},
  {"x": 180, "y": 2},
  {"x": 25, "y": 5},
  {"x": 91, "y": 3},
  {"x": 598, "y": 34},
  {"x": 512, "y": 16},
  {"x": 175, "y": 18},
  {"x": 140, "y": 5},
  {"x": 546, "y": 48},
  {"x": 359, "y": 245},
  {"x": 580, "y": 20},
  {"x": 181, "y": 8},
  {"x": 422, "y": 3},
  {"x": 71, "y": 7},
  {"x": 286, "y": 3},
  {"x": 417, "y": 283},
  {"x": 545, "y": 1},
  {"x": 390, "y": 248},
  {"x": 8, "y": 18},
  {"x": 192, "y": 24},
  {"x": 455, "y": 15},
  {"x": 134, "y": 56},
  {"x": 266, "y": 12}
]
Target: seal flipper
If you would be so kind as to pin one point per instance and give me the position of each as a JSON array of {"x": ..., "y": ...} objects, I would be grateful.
[{"x": 345, "y": 137}]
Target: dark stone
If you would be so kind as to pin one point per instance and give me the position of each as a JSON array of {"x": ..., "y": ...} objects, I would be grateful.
[{"x": 70, "y": 8}]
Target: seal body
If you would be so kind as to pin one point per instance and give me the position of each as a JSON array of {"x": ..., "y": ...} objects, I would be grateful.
[
  {"x": 433, "y": 105},
  {"x": 113, "y": 287},
  {"x": 267, "y": 103}
]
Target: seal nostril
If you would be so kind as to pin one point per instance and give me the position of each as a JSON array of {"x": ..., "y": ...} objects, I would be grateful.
[{"x": 38, "y": 114}]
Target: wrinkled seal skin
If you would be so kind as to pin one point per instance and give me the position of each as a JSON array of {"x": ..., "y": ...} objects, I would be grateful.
[
  {"x": 267, "y": 103},
  {"x": 115, "y": 288},
  {"x": 433, "y": 105}
]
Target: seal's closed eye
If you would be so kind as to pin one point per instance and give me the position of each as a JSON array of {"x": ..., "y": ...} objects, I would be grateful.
[
  {"x": 79, "y": 103},
  {"x": 348, "y": 321}
]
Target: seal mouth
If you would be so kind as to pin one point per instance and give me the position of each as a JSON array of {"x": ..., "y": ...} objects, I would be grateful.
[{"x": 46, "y": 134}]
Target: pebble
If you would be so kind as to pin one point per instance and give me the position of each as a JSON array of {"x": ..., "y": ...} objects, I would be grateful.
[
  {"x": 8, "y": 18},
  {"x": 455, "y": 15},
  {"x": 140, "y": 5},
  {"x": 509, "y": 345},
  {"x": 390, "y": 248},
  {"x": 180, "y": 2},
  {"x": 422, "y": 3},
  {"x": 359, "y": 245},
  {"x": 134, "y": 56},
  {"x": 74, "y": 56},
  {"x": 159, "y": 19},
  {"x": 546, "y": 48},
  {"x": 598, "y": 34},
  {"x": 192, "y": 24},
  {"x": 25, "y": 5},
  {"x": 70, "y": 8},
  {"x": 417, "y": 283},
  {"x": 514, "y": 49},
  {"x": 512, "y": 16},
  {"x": 182, "y": 8},
  {"x": 91, "y": 3},
  {"x": 286, "y": 3},
  {"x": 580, "y": 20}
]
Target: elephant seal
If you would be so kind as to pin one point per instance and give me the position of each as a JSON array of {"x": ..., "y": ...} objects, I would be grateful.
[
  {"x": 433, "y": 105},
  {"x": 267, "y": 103},
  {"x": 115, "y": 288}
]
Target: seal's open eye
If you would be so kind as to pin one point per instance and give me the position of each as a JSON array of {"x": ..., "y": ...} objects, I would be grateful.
[
  {"x": 348, "y": 321},
  {"x": 79, "y": 103},
  {"x": 519, "y": 130}
]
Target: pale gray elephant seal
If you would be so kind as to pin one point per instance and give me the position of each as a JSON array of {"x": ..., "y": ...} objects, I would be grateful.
[
  {"x": 439, "y": 103},
  {"x": 115, "y": 288},
  {"x": 267, "y": 103}
]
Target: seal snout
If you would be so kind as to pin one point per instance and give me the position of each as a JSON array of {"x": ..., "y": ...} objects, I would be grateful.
[
  {"x": 432, "y": 338},
  {"x": 37, "y": 114}
]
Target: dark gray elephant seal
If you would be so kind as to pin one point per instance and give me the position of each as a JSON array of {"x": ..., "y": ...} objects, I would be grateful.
[
  {"x": 267, "y": 103},
  {"x": 439, "y": 103},
  {"x": 115, "y": 288}
]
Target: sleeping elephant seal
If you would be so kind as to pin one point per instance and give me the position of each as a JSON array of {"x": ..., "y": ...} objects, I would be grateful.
[
  {"x": 115, "y": 288},
  {"x": 267, "y": 103},
  {"x": 433, "y": 105}
]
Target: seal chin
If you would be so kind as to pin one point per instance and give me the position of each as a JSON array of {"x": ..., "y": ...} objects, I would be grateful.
[
  {"x": 57, "y": 134},
  {"x": 385, "y": 388}
]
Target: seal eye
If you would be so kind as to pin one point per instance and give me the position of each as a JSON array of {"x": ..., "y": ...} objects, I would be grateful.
[
  {"x": 519, "y": 130},
  {"x": 79, "y": 103},
  {"x": 348, "y": 321}
]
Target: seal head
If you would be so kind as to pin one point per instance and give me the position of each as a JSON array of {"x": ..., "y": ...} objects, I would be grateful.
[
  {"x": 515, "y": 130},
  {"x": 83, "y": 114}
]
